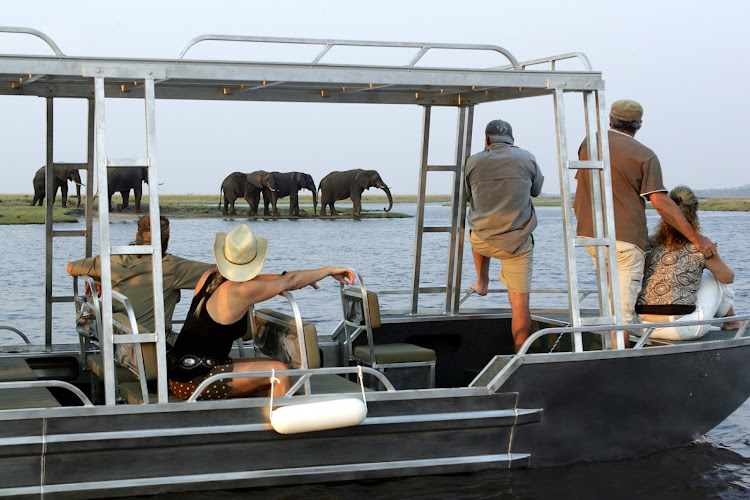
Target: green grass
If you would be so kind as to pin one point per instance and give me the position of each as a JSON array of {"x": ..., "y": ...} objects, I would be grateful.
[{"x": 17, "y": 209}]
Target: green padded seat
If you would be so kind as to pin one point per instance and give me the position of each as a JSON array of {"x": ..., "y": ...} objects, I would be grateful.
[
  {"x": 131, "y": 393},
  {"x": 31, "y": 397},
  {"x": 395, "y": 353},
  {"x": 94, "y": 362}
]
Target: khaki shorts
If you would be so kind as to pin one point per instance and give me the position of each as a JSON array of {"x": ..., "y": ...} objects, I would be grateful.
[{"x": 515, "y": 271}]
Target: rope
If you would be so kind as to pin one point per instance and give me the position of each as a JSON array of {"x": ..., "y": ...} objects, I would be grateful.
[
  {"x": 362, "y": 383},
  {"x": 274, "y": 380}
]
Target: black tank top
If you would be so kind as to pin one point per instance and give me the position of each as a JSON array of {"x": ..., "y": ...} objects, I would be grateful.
[{"x": 203, "y": 337}]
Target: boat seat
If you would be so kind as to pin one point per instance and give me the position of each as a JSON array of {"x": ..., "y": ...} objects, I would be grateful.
[
  {"x": 361, "y": 310},
  {"x": 272, "y": 329},
  {"x": 17, "y": 370}
]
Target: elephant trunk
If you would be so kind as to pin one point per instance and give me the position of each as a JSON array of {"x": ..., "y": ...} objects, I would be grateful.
[
  {"x": 315, "y": 202},
  {"x": 78, "y": 192},
  {"x": 390, "y": 198}
]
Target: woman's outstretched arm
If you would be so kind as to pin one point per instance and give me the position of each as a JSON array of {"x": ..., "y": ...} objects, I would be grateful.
[{"x": 232, "y": 300}]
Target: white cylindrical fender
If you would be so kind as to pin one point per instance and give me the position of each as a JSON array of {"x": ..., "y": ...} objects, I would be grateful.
[{"x": 318, "y": 416}]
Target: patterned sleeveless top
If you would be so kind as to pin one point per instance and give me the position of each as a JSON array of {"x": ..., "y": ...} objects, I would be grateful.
[{"x": 671, "y": 280}]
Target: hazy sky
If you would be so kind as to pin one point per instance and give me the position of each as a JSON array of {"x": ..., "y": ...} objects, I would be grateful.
[{"x": 686, "y": 62}]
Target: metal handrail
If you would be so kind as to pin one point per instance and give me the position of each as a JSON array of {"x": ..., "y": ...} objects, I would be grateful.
[
  {"x": 551, "y": 60},
  {"x": 302, "y": 372},
  {"x": 36, "y": 33},
  {"x": 329, "y": 43},
  {"x": 19, "y": 332},
  {"x": 48, "y": 383},
  {"x": 647, "y": 327}
]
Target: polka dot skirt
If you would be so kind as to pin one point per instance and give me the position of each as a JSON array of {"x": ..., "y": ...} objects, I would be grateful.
[{"x": 218, "y": 390}]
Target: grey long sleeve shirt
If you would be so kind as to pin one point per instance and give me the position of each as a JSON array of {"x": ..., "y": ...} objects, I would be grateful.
[{"x": 500, "y": 182}]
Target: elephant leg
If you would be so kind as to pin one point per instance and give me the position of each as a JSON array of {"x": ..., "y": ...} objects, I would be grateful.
[
  {"x": 125, "y": 200},
  {"x": 356, "y": 204},
  {"x": 137, "y": 192},
  {"x": 333, "y": 209},
  {"x": 294, "y": 204},
  {"x": 64, "y": 193}
]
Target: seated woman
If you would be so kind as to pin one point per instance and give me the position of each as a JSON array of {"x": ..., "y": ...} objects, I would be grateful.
[
  {"x": 218, "y": 316},
  {"x": 679, "y": 283}
]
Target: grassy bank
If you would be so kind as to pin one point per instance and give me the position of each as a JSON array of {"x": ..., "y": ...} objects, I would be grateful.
[{"x": 16, "y": 209}]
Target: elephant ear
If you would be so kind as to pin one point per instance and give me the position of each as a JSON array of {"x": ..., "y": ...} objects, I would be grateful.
[{"x": 362, "y": 180}]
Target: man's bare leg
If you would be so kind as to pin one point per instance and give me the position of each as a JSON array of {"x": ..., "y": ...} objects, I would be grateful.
[
  {"x": 521, "y": 323},
  {"x": 482, "y": 264}
]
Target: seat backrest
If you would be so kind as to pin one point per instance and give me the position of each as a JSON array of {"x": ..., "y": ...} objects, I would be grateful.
[
  {"x": 275, "y": 334},
  {"x": 354, "y": 308}
]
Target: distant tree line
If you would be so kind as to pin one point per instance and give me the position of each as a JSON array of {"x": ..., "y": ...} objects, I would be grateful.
[{"x": 741, "y": 191}]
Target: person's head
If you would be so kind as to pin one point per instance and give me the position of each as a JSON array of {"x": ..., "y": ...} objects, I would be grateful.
[
  {"x": 143, "y": 234},
  {"x": 688, "y": 203},
  {"x": 498, "y": 131},
  {"x": 626, "y": 116},
  {"x": 239, "y": 254}
]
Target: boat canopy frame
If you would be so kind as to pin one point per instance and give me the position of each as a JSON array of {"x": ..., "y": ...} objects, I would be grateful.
[{"x": 99, "y": 78}]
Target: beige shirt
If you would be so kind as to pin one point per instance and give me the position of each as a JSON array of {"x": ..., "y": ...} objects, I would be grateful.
[{"x": 636, "y": 173}]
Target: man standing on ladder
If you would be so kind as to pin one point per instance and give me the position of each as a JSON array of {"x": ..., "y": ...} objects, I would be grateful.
[
  {"x": 636, "y": 177},
  {"x": 500, "y": 182}
]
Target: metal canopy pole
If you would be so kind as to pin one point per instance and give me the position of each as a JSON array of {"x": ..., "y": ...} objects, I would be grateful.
[
  {"x": 414, "y": 303},
  {"x": 458, "y": 210},
  {"x": 49, "y": 193}
]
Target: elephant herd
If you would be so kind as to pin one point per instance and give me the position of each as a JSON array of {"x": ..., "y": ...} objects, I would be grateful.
[
  {"x": 119, "y": 180},
  {"x": 274, "y": 185}
]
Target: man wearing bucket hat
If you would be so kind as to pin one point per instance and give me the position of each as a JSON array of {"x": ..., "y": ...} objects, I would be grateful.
[
  {"x": 636, "y": 178},
  {"x": 219, "y": 312},
  {"x": 499, "y": 184}
]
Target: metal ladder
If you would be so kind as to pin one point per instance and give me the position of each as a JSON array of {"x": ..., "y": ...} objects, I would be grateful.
[
  {"x": 108, "y": 339},
  {"x": 458, "y": 212},
  {"x": 50, "y": 231},
  {"x": 603, "y": 216}
]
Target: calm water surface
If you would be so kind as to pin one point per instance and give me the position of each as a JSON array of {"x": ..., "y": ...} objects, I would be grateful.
[{"x": 715, "y": 466}]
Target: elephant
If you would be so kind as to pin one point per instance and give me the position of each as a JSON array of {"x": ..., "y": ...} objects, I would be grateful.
[
  {"x": 122, "y": 180},
  {"x": 61, "y": 177},
  {"x": 247, "y": 186},
  {"x": 289, "y": 184},
  {"x": 350, "y": 184}
]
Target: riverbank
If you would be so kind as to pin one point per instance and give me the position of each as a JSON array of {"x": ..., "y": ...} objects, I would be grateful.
[{"x": 16, "y": 209}]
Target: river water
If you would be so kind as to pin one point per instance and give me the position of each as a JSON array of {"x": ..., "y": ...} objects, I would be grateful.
[{"x": 716, "y": 466}]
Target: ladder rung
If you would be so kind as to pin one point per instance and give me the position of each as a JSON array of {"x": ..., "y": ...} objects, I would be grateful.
[
  {"x": 442, "y": 168},
  {"x": 587, "y": 164},
  {"x": 592, "y": 242},
  {"x": 69, "y": 232},
  {"x": 132, "y": 250},
  {"x": 600, "y": 320},
  {"x": 68, "y": 166},
  {"x": 141, "y": 338},
  {"x": 436, "y": 229},
  {"x": 128, "y": 162},
  {"x": 63, "y": 298}
]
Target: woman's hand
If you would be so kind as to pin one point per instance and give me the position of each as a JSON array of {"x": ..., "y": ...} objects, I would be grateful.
[{"x": 343, "y": 275}]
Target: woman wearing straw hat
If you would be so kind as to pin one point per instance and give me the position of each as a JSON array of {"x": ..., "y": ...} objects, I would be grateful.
[{"x": 218, "y": 317}]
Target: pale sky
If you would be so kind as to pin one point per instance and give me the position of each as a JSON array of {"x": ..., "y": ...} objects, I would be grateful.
[{"x": 685, "y": 62}]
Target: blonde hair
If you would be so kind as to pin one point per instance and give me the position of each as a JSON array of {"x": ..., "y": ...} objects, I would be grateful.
[
  {"x": 215, "y": 282},
  {"x": 670, "y": 237}
]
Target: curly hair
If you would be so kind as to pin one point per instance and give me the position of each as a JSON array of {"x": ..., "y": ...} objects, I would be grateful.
[{"x": 670, "y": 237}]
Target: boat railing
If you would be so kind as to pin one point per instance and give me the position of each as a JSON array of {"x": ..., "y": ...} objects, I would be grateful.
[
  {"x": 328, "y": 44},
  {"x": 27, "y": 384},
  {"x": 552, "y": 60},
  {"x": 467, "y": 293},
  {"x": 18, "y": 332},
  {"x": 647, "y": 330},
  {"x": 33, "y": 32},
  {"x": 310, "y": 372}
]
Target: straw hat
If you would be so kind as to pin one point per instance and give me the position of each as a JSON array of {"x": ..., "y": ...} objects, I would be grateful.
[{"x": 239, "y": 254}]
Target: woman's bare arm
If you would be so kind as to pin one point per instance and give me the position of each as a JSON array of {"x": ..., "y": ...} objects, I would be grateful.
[
  {"x": 232, "y": 300},
  {"x": 721, "y": 270}
]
